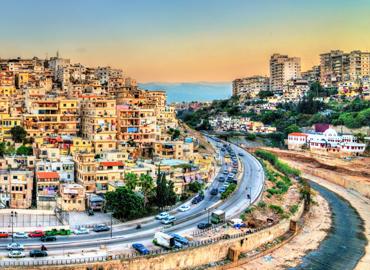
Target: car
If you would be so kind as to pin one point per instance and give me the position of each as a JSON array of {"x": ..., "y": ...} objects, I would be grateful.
[
  {"x": 214, "y": 191},
  {"x": 184, "y": 208},
  {"x": 16, "y": 254},
  {"x": 240, "y": 154},
  {"x": 20, "y": 235},
  {"x": 203, "y": 225},
  {"x": 178, "y": 238},
  {"x": 14, "y": 246},
  {"x": 234, "y": 171},
  {"x": 140, "y": 248},
  {"x": 101, "y": 228},
  {"x": 222, "y": 189},
  {"x": 81, "y": 230},
  {"x": 162, "y": 215},
  {"x": 226, "y": 185},
  {"x": 198, "y": 199},
  {"x": 221, "y": 179},
  {"x": 226, "y": 171},
  {"x": 231, "y": 175},
  {"x": 38, "y": 253},
  {"x": 48, "y": 238},
  {"x": 4, "y": 235},
  {"x": 168, "y": 220},
  {"x": 36, "y": 234}
]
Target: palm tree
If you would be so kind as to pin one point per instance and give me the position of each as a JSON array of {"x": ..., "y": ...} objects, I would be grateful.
[
  {"x": 147, "y": 186},
  {"x": 131, "y": 180}
]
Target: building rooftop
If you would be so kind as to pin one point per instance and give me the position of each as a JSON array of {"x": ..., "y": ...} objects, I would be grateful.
[{"x": 47, "y": 175}]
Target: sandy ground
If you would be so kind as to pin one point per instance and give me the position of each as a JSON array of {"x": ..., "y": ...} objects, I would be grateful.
[{"x": 315, "y": 229}]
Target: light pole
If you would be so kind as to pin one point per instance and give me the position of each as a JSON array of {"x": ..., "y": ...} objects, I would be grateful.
[
  {"x": 13, "y": 214},
  {"x": 207, "y": 209},
  {"x": 111, "y": 224}
]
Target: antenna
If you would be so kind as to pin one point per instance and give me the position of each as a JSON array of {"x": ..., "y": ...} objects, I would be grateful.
[{"x": 57, "y": 53}]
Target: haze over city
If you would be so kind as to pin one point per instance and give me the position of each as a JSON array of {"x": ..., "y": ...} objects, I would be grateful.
[{"x": 183, "y": 41}]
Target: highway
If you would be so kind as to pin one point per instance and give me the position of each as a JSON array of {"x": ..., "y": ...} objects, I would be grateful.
[{"x": 251, "y": 183}]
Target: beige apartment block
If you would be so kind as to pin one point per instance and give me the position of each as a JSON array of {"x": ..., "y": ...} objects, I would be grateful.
[
  {"x": 49, "y": 116},
  {"x": 98, "y": 123},
  {"x": 16, "y": 188},
  {"x": 71, "y": 197}
]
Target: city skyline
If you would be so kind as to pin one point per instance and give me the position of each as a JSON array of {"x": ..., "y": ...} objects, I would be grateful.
[{"x": 184, "y": 42}]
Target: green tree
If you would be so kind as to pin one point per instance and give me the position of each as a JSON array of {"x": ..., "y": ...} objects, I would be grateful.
[
  {"x": 24, "y": 150},
  {"x": 165, "y": 194},
  {"x": 265, "y": 94},
  {"x": 18, "y": 133},
  {"x": 292, "y": 128},
  {"x": 125, "y": 203},
  {"x": 195, "y": 186},
  {"x": 131, "y": 180},
  {"x": 2, "y": 149},
  {"x": 147, "y": 186}
]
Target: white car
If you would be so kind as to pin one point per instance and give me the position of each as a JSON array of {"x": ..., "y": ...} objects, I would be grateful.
[
  {"x": 168, "y": 220},
  {"x": 162, "y": 215},
  {"x": 81, "y": 230},
  {"x": 14, "y": 246},
  {"x": 184, "y": 208},
  {"x": 16, "y": 254},
  {"x": 20, "y": 235}
]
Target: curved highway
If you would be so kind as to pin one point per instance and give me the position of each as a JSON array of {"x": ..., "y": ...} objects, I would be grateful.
[{"x": 249, "y": 188}]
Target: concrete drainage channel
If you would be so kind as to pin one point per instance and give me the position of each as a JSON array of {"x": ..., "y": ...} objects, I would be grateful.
[{"x": 345, "y": 244}]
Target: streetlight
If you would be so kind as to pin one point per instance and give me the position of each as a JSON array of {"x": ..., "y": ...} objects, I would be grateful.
[
  {"x": 111, "y": 224},
  {"x": 13, "y": 214},
  {"x": 207, "y": 209}
]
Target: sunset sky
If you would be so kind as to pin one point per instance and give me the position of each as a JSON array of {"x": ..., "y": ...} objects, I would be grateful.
[{"x": 183, "y": 40}]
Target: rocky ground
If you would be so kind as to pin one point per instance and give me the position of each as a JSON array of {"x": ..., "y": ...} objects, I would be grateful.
[{"x": 317, "y": 223}]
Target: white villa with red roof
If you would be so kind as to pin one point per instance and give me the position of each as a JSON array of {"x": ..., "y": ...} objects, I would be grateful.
[{"x": 329, "y": 142}]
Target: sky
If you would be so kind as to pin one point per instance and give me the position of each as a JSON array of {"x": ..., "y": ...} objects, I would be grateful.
[{"x": 183, "y": 40}]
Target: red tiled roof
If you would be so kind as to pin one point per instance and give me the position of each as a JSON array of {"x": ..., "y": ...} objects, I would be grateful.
[
  {"x": 297, "y": 134},
  {"x": 47, "y": 175},
  {"x": 111, "y": 163}
]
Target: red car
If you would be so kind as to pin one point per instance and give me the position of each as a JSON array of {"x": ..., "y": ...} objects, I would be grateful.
[
  {"x": 4, "y": 235},
  {"x": 36, "y": 234}
]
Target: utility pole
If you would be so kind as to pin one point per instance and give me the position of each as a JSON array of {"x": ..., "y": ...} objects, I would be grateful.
[{"x": 13, "y": 214}]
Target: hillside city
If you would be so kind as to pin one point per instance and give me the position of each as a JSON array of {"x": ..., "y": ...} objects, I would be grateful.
[{"x": 88, "y": 156}]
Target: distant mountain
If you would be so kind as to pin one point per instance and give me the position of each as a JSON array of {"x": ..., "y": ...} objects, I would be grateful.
[{"x": 197, "y": 91}]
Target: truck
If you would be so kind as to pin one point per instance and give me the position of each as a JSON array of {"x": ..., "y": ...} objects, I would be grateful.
[
  {"x": 165, "y": 240},
  {"x": 218, "y": 216}
]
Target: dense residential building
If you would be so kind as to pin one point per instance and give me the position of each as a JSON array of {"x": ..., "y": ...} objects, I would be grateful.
[
  {"x": 312, "y": 75},
  {"x": 86, "y": 128},
  {"x": 249, "y": 87},
  {"x": 282, "y": 69},
  {"x": 99, "y": 123},
  {"x": 71, "y": 197},
  {"x": 16, "y": 188}
]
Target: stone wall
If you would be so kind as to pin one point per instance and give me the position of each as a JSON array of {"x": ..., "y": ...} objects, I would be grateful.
[{"x": 204, "y": 253}]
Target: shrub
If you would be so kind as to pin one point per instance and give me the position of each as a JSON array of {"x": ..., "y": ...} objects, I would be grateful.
[
  {"x": 261, "y": 204},
  {"x": 277, "y": 209},
  {"x": 230, "y": 189},
  {"x": 293, "y": 209}
]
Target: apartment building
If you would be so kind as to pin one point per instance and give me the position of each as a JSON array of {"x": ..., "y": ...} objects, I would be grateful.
[
  {"x": 48, "y": 116},
  {"x": 99, "y": 123},
  {"x": 16, "y": 188},
  {"x": 312, "y": 75},
  {"x": 334, "y": 67},
  {"x": 249, "y": 87},
  {"x": 108, "y": 171},
  {"x": 282, "y": 69},
  {"x": 47, "y": 186},
  {"x": 71, "y": 197},
  {"x": 183, "y": 150},
  {"x": 64, "y": 167},
  {"x": 295, "y": 89},
  {"x": 85, "y": 165},
  {"x": 81, "y": 145},
  {"x": 136, "y": 124}
]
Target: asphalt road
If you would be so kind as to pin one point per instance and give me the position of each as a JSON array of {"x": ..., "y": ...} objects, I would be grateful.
[{"x": 251, "y": 183}]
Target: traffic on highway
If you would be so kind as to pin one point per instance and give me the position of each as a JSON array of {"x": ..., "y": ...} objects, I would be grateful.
[{"x": 167, "y": 229}]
